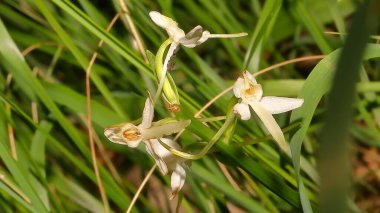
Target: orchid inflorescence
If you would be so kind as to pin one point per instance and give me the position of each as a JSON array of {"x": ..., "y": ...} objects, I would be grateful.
[{"x": 167, "y": 152}]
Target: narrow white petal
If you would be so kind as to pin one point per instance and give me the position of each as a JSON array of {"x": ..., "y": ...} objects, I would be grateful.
[
  {"x": 238, "y": 87},
  {"x": 277, "y": 105},
  {"x": 243, "y": 110},
  {"x": 152, "y": 150},
  {"x": 148, "y": 113},
  {"x": 170, "y": 53},
  {"x": 271, "y": 124},
  {"x": 177, "y": 179}
]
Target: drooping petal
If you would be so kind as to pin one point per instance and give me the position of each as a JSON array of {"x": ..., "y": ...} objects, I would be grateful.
[
  {"x": 238, "y": 87},
  {"x": 152, "y": 151},
  {"x": 164, "y": 129},
  {"x": 243, "y": 110},
  {"x": 148, "y": 113},
  {"x": 165, "y": 160},
  {"x": 270, "y": 124},
  {"x": 277, "y": 105},
  {"x": 177, "y": 179}
]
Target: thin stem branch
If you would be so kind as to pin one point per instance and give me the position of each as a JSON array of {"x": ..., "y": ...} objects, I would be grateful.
[
  {"x": 89, "y": 125},
  {"x": 306, "y": 58},
  {"x": 204, "y": 151},
  {"x": 38, "y": 45},
  {"x": 142, "y": 185},
  {"x": 226, "y": 35}
]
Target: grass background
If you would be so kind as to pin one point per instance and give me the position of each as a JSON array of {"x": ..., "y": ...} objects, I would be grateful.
[{"x": 46, "y": 162}]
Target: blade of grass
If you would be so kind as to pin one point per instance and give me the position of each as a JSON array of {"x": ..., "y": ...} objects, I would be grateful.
[{"x": 333, "y": 159}]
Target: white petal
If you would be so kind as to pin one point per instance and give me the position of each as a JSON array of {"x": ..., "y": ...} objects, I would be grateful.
[
  {"x": 243, "y": 110},
  {"x": 152, "y": 150},
  {"x": 202, "y": 37},
  {"x": 277, "y": 105},
  {"x": 148, "y": 113},
  {"x": 175, "y": 33},
  {"x": 114, "y": 135},
  {"x": 271, "y": 124},
  {"x": 165, "y": 160},
  {"x": 161, "y": 20},
  {"x": 192, "y": 38},
  {"x": 177, "y": 179},
  {"x": 168, "y": 24},
  {"x": 205, "y": 36},
  {"x": 238, "y": 87},
  {"x": 257, "y": 93},
  {"x": 133, "y": 144},
  {"x": 249, "y": 76}
]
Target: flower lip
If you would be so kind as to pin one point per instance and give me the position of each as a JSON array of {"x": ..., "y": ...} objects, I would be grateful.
[
  {"x": 132, "y": 134},
  {"x": 247, "y": 88}
]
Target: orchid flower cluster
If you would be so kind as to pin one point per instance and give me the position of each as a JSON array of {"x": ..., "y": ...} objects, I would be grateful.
[{"x": 165, "y": 150}]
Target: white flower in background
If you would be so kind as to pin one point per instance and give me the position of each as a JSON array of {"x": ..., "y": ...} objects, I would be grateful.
[
  {"x": 193, "y": 38},
  {"x": 148, "y": 132},
  {"x": 250, "y": 93}
]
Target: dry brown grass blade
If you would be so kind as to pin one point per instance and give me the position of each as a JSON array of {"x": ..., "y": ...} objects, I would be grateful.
[
  {"x": 139, "y": 41},
  {"x": 14, "y": 188},
  {"x": 143, "y": 183},
  {"x": 89, "y": 125}
]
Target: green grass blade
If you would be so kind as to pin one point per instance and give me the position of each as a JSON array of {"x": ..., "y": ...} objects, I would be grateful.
[{"x": 334, "y": 151}]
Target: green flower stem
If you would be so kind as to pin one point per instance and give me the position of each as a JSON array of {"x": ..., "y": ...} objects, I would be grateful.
[
  {"x": 212, "y": 119},
  {"x": 204, "y": 151}
]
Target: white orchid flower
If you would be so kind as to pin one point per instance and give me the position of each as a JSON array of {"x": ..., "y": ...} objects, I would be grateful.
[
  {"x": 193, "y": 38},
  {"x": 251, "y": 94},
  {"x": 148, "y": 132}
]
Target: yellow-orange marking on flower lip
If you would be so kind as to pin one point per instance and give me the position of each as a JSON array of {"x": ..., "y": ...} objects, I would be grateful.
[{"x": 132, "y": 134}]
